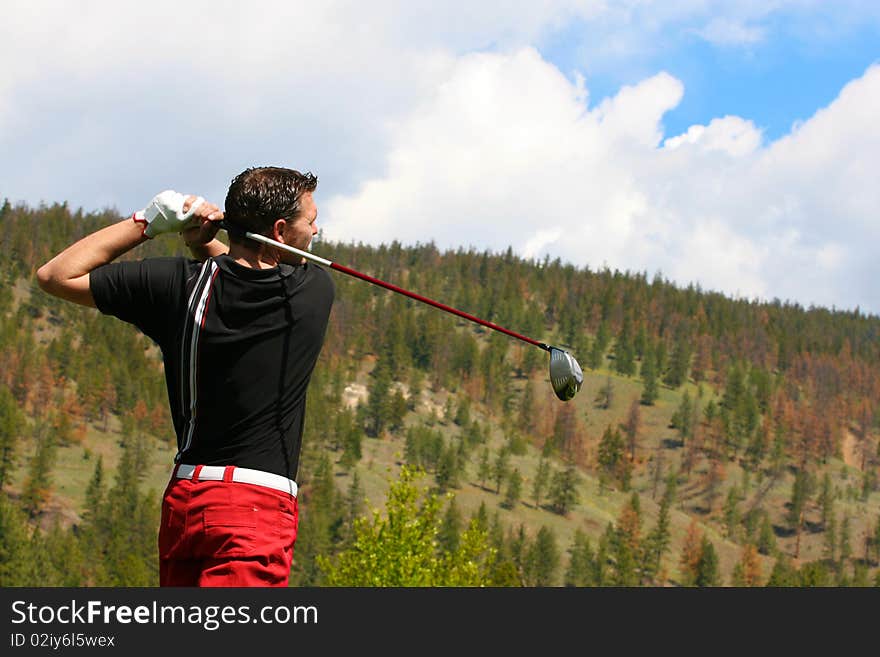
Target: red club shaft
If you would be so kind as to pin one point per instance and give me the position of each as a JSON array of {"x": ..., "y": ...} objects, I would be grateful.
[{"x": 436, "y": 304}]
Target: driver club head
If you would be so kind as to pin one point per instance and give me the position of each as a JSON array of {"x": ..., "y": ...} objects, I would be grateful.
[{"x": 566, "y": 375}]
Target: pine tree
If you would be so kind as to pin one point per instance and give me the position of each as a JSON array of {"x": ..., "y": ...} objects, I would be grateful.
[
  {"x": 690, "y": 554},
  {"x": 766, "y": 537},
  {"x": 481, "y": 517},
  {"x": 18, "y": 554},
  {"x": 530, "y": 362},
  {"x": 527, "y": 411},
  {"x": 656, "y": 471},
  {"x": 581, "y": 567},
  {"x": 541, "y": 481},
  {"x": 845, "y": 540},
  {"x": 596, "y": 354},
  {"x": 494, "y": 368},
  {"x": 516, "y": 444},
  {"x": 784, "y": 574},
  {"x": 734, "y": 388},
  {"x": 731, "y": 513},
  {"x": 320, "y": 522},
  {"x": 830, "y": 538},
  {"x": 746, "y": 418},
  {"x": 542, "y": 559},
  {"x": 682, "y": 419},
  {"x": 354, "y": 506},
  {"x": 494, "y": 529},
  {"x": 563, "y": 490},
  {"x": 676, "y": 374},
  {"x": 446, "y": 474},
  {"x": 38, "y": 481},
  {"x": 11, "y": 425},
  {"x": 795, "y": 515},
  {"x": 708, "y": 567},
  {"x": 816, "y": 574},
  {"x": 514, "y": 489},
  {"x": 757, "y": 448},
  {"x": 600, "y": 563},
  {"x": 378, "y": 408},
  {"x": 624, "y": 350},
  {"x": 658, "y": 540},
  {"x": 640, "y": 343},
  {"x": 631, "y": 429},
  {"x": 448, "y": 410},
  {"x": 131, "y": 520},
  {"x": 93, "y": 518},
  {"x": 876, "y": 541},
  {"x": 860, "y": 576},
  {"x": 826, "y": 499},
  {"x": 611, "y": 456},
  {"x": 626, "y": 544},
  {"x": 747, "y": 571},
  {"x": 484, "y": 470},
  {"x": 352, "y": 439},
  {"x": 463, "y": 412},
  {"x": 500, "y": 469},
  {"x": 474, "y": 434},
  {"x": 412, "y": 448},
  {"x": 517, "y": 546},
  {"x": 397, "y": 409},
  {"x": 448, "y": 535},
  {"x": 650, "y": 391},
  {"x": 63, "y": 562}
]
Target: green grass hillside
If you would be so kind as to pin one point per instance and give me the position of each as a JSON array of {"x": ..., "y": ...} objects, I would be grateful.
[{"x": 599, "y": 504}]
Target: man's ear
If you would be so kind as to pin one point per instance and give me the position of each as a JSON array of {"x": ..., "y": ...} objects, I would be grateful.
[{"x": 278, "y": 230}]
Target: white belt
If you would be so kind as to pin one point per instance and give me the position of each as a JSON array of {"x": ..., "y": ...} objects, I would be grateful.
[{"x": 240, "y": 475}]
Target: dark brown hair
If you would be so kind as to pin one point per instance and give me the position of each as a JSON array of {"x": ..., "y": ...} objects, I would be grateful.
[{"x": 259, "y": 196}]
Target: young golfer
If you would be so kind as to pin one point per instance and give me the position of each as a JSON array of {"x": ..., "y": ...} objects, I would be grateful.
[{"x": 240, "y": 330}]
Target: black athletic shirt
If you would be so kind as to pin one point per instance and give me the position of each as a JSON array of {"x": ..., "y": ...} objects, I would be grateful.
[{"x": 239, "y": 347}]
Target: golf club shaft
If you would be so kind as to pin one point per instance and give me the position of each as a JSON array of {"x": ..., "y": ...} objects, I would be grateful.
[{"x": 395, "y": 288}]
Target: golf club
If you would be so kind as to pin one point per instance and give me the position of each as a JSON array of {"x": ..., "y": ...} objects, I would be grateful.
[{"x": 566, "y": 375}]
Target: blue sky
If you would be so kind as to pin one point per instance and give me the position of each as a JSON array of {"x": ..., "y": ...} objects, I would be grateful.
[
  {"x": 783, "y": 77},
  {"x": 779, "y": 84},
  {"x": 729, "y": 144}
]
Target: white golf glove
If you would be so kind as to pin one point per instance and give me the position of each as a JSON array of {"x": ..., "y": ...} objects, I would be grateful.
[{"x": 165, "y": 214}]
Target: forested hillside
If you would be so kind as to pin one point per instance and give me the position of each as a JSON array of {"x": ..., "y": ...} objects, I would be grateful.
[{"x": 715, "y": 442}]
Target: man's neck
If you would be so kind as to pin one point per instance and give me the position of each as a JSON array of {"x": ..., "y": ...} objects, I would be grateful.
[{"x": 258, "y": 258}]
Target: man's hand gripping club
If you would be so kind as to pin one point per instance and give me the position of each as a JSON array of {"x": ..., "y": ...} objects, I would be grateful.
[{"x": 166, "y": 214}]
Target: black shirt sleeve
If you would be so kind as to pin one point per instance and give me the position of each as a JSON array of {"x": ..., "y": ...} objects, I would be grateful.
[{"x": 147, "y": 293}]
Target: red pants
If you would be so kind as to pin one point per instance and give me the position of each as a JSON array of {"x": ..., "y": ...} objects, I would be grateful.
[{"x": 225, "y": 533}]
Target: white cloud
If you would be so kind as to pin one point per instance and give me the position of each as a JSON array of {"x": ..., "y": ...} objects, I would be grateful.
[
  {"x": 727, "y": 32},
  {"x": 731, "y": 134},
  {"x": 715, "y": 255},
  {"x": 504, "y": 150},
  {"x": 507, "y": 153},
  {"x": 539, "y": 241},
  {"x": 443, "y": 121}
]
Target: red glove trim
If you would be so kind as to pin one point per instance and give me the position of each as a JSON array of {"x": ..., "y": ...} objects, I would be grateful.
[{"x": 137, "y": 220}]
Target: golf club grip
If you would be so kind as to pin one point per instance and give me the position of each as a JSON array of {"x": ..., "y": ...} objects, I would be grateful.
[{"x": 436, "y": 304}]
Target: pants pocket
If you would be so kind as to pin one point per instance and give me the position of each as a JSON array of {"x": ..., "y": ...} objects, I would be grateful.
[
  {"x": 229, "y": 532},
  {"x": 286, "y": 519},
  {"x": 171, "y": 530}
]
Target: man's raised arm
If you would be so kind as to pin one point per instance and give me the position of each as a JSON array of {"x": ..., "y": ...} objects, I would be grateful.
[{"x": 67, "y": 274}]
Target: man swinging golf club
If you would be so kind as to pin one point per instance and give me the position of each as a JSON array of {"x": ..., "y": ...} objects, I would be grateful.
[
  {"x": 240, "y": 330},
  {"x": 240, "y": 333}
]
